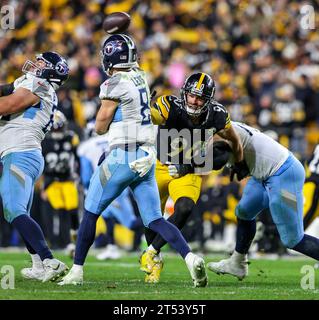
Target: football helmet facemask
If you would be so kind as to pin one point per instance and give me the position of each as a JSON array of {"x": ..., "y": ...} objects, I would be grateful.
[
  {"x": 118, "y": 51},
  {"x": 55, "y": 68},
  {"x": 200, "y": 85}
]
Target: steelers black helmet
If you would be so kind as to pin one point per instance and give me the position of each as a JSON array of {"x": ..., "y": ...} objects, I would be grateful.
[{"x": 201, "y": 85}]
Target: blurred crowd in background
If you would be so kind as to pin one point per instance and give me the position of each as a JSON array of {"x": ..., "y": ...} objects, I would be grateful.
[{"x": 265, "y": 66}]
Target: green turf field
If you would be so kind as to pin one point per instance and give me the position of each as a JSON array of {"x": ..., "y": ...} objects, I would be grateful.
[{"x": 122, "y": 279}]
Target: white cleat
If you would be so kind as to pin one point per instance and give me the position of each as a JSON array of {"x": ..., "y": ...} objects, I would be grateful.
[
  {"x": 33, "y": 273},
  {"x": 70, "y": 250},
  {"x": 111, "y": 252},
  {"x": 230, "y": 266},
  {"x": 54, "y": 269},
  {"x": 73, "y": 277},
  {"x": 196, "y": 267}
]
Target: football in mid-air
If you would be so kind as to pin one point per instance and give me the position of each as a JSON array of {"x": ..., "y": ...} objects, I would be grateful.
[{"x": 116, "y": 22}]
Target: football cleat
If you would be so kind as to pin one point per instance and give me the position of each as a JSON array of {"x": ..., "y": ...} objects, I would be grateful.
[
  {"x": 238, "y": 269},
  {"x": 196, "y": 267},
  {"x": 54, "y": 269},
  {"x": 74, "y": 277},
  {"x": 111, "y": 252},
  {"x": 148, "y": 261},
  {"x": 70, "y": 250},
  {"x": 33, "y": 273},
  {"x": 155, "y": 275}
]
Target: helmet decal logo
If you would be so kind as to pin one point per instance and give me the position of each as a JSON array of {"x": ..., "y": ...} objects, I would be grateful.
[
  {"x": 61, "y": 68},
  {"x": 113, "y": 46},
  {"x": 196, "y": 90}
]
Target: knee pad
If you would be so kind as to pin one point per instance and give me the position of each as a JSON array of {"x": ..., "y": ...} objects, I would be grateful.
[{"x": 182, "y": 210}]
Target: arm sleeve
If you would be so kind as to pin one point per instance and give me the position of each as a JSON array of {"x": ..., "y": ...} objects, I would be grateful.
[
  {"x": 157, "y": 117},
  {"x": 162, "y": 105}
]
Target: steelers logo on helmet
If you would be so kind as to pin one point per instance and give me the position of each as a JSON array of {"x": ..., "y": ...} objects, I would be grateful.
[{"x": 200, "y": 85}]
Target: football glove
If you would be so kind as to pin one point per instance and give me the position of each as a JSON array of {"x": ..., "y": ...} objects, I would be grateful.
[
  {"x": 143, "y": 165},
  {"x": 240, "y": 169},
  {"x": 221, "y": 154},
  {"x": 179, "y": 170}
]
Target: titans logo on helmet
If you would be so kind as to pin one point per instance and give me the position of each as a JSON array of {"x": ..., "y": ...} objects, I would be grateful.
[
  {"x": 112, "y": 47},
  {"x": 61, "y": 68}
]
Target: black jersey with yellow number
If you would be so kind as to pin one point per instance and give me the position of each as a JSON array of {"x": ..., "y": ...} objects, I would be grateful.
[
  {"x": 59, "y": 151},
  {"x": 181, "y": 139}
]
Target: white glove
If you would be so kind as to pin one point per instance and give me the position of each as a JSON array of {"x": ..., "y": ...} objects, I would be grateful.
[
  {"x": 143, "y": 165},
  {"x": 179, "y": 170},
  {"x": 172, "y": 170}
]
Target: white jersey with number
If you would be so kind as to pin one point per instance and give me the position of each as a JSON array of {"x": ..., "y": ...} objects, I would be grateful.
[
  {"x": 263, "y": 155},
  {"x": 25, "y": 130},
  {"x": 132, "y": 120}
]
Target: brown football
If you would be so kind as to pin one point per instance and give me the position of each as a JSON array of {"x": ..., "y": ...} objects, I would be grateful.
[{"x": 116, "y": 22}]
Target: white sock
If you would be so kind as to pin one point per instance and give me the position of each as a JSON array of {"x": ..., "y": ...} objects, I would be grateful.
[
  {"x": 239, "y": 257},
  {"x": 77, "y": 268},
  {"x": 36, "y": 261},
  {"x": 152, "y": 248},
  {"x": 188, "y": 257}
]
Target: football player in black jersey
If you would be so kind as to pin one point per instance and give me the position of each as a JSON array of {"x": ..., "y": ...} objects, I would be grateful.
[
  {"x": 60, "y": 193},
  {"x": 311, "y": 190},
  {"x": 186, "y": 125}
]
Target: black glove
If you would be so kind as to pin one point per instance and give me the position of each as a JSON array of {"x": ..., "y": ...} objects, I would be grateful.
[
  {"x": 221, "y": 154},
  {"x": 241, "y": 169}
]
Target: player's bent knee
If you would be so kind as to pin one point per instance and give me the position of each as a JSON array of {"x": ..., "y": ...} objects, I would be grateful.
[
  {"x": 184, "y": 205},
  {"x": 290, "y": 243},
  {"x": 182, "y": 210},
  {"x": 241, "y": 213}
]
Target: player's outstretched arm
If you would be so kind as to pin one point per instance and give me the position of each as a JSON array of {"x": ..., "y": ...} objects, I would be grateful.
[
  {"x": 17, "y": 101},
  {"x": 105, "y": 116}
]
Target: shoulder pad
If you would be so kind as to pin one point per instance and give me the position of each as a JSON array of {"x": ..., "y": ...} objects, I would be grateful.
[{"x": 163, "y": 105}]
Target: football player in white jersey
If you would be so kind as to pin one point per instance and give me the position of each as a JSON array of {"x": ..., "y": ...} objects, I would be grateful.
[
  {"x": 125, "y": 114},
  {"x": 89, "y": 152},
  {"x": 276, "y": 182},
  {"x": 26, "y": 113}
]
